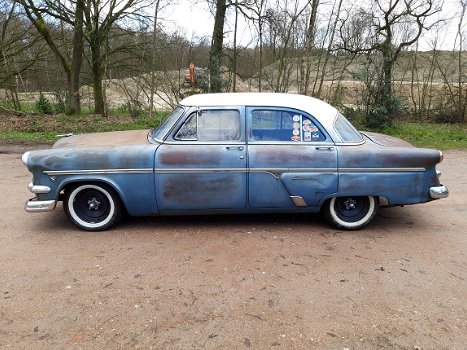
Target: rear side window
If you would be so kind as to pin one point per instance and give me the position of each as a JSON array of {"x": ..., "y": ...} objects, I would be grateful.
[
  {"x": 277, "y": 125},
  {"x": 346, "y": 131},
  {"x": 211, "y": 125}
]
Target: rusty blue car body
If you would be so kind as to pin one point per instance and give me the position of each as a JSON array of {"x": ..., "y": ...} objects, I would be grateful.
[{"x": 234, "y": 153}]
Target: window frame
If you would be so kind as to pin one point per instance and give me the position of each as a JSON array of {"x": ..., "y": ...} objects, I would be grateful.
[
  {"x": 241, "y": 110},
  {"x": 322, "y": 130},
  {"x": 347, "y": 123}
]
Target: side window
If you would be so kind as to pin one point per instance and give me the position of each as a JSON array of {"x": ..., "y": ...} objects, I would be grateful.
[
  {"x": 275, "y": 125},
  {"x": 211, "y": 125}
]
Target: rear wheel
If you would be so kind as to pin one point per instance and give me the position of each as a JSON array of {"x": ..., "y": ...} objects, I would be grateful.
[
  {"x": 92, "y": 207},
  {"x": 351, "y": 212}
]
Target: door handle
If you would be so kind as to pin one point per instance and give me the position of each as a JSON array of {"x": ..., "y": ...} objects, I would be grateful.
[
  {"x": 325, "y": 148},
  {"x": 237, "y": 148}
]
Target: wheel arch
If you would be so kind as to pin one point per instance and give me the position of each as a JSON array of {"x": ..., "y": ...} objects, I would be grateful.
[{"x": 75, "y": 182}]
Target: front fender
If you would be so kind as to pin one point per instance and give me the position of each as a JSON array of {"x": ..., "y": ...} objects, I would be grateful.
[
  {"x": 137, "y": 191},
  {"x": 129, "y": 170}
]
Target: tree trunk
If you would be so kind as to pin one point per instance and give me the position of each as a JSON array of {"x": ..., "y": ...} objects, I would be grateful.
[
  {"x": 153, "y": 61},
  {"x": 260, "y": 31},
  {"x": 97, "y": 75},
  {"x": 328, "y": 51},
  {"x": 215, "y": 56},
  {"x": 235, "y": 53},
  {"x": 461, "y": 102},
  {"x": 37, "y": 20},
  {"x": 74, "y": 87},
  {"x": 305, "y": 62}
]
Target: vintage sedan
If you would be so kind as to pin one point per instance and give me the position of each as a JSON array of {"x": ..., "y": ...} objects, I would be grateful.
[{"x": 234, "y": 153}]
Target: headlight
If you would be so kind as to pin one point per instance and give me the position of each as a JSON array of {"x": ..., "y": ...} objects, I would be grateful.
[
  {"x": 441, "y": 156},
  {"x": 25, "y": 157}
]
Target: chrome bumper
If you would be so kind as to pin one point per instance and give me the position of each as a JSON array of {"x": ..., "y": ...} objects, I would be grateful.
[
  {"x": 34, "y": 206},
  {"x": 38, "y": 189},
  {"x": 439, "y": 192}
]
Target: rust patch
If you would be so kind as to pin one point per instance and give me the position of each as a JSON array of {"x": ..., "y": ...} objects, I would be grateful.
[
  {"x": 294, "y": 156},
  {"x": 198, "y": 189},
  {"x": 391, "y": 157},
  {"x": 182, "y": 155},
  {"x": 104, "y": 139}
]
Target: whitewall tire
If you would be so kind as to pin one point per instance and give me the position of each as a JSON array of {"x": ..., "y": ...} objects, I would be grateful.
[
  {"x": 351, "y": 212},
  {"x": 92, "y": 207}
]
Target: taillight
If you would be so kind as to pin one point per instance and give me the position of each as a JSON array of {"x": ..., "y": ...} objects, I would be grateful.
[{"x": 441, "y": 156}]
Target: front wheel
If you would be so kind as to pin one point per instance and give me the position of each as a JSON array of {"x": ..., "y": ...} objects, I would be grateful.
[
  {"x": 92, "y": 207},
  {"x": 351, "y": 213}
]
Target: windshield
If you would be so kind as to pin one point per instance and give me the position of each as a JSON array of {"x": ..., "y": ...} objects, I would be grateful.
[
  {"x": 346, "y": 131},
  {"x": 161, "y": 131}
]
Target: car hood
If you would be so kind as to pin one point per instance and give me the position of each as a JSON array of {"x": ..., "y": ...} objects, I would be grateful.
[
  {"x": 104, "y": 139},
  {"x": 385, "y": 140}
]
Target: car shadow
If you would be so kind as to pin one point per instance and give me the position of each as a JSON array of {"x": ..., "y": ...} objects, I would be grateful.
[{"x": 388, "y": 220}]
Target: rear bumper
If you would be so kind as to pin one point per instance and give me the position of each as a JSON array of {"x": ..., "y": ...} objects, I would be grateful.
[
  {"x": 439, "y": 192},
  {"x": 34, "y": 206}
]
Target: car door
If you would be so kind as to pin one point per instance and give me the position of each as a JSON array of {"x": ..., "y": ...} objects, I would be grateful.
[
  {"x": 292, "y": 159},
  {"x": 202, "y": 164}
]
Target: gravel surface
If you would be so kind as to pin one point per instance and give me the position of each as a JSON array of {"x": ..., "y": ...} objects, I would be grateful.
[{"x": 235, "y": 282}]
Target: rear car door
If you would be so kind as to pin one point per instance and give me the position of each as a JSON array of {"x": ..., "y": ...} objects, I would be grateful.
[{"x": 292, "y": 159}]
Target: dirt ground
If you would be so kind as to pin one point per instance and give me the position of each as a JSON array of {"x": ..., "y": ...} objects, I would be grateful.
[{"x": 235, "y": 282}]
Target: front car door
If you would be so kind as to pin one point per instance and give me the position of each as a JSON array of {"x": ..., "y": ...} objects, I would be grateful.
[
  {"x": 202, "y": 164},
  {"x": 292, "y": 159}
]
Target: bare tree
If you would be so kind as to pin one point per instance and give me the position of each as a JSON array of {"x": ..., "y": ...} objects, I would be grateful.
[
  {"x": 99, "y": 18},
  {"x": 215, "y": 56},
  {"x": 305, "y": 62},
  {"x": 153, "y": 59},
  {"x": 77, "y": 59},
  {"x": 18, "y": 52},
  {"x": 38, "y": 12},
  {"x": 258, "y": 8},
  {"x": 394, "y": 25},
  {"x": 462, "y": 91},
  {"x": 329, "y": 48}
]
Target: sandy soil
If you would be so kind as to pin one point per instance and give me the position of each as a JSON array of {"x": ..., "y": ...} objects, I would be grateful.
[{"x": 235, "y": 282}]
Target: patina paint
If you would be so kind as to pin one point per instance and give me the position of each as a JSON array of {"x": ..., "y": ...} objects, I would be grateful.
[{"x": 189, "y": 177}]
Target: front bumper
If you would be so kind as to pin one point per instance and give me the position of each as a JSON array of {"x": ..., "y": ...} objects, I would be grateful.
[
  {"x": 439, "y": 192},
  {"x": 35, "y": 206}
]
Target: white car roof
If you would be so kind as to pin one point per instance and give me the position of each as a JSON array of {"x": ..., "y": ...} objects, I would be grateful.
[{"x": 322, "y": 111}]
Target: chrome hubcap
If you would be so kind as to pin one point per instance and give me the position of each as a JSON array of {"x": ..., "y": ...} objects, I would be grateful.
[
  {"x": 93, "y": 204},
  {"x": 350, "y": 204}
]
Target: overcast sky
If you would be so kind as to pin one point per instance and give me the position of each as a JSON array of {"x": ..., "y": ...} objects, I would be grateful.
[{"x": 195, "y": 20}]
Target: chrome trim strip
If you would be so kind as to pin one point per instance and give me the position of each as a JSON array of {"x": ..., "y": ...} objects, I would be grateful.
[
  {"x": 200, "y": 170},
  {"x": 293, "y": 170},
  {"x": 350, "y": 143},
  {"x": 38, "y": 189},
  {"x": 205, "y": 143},
  {"x": 298, "y": 201},
  {"x": 35, "y": 206},
  {"x": 301, "y": 143},
  {"x": 380, "y": 170},
  {"x": 99, "y": 171},
  {"x": 272, "y": 171}
]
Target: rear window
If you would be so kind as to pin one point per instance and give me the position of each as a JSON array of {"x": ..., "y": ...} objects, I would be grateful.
[{"x": 346, "y": 131}]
